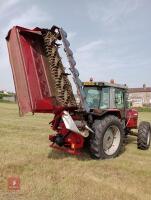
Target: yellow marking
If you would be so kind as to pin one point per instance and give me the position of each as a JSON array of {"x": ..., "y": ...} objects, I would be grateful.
[{"x": 89, "y": 83}]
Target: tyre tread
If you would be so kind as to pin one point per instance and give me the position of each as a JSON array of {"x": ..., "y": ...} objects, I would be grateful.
[{"x": 99, "y": 128}]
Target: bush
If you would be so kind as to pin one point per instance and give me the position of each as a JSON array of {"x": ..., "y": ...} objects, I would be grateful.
[{"x": 1, "y": 96}]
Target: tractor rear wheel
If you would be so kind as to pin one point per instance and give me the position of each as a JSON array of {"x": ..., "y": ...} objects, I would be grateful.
[
  {"x": 107, "y": 140},
  {"x": 144, "y": 135}
]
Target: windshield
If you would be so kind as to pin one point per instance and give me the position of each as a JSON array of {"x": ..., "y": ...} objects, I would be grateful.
[{"x": 96, "y": 97}]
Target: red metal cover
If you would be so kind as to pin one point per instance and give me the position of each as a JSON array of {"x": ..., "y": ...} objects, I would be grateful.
[{"x": 30, "y": 71}]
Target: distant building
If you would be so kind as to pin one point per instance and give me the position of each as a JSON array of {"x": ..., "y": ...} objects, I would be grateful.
[
  {"x": 3, "y": 92},
  {"x": 10, "y": 98},
  {"x": 7, "y": 96},
  {"x": 140, "y": 96}
]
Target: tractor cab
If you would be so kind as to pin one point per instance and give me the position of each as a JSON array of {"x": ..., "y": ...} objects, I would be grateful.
[
  {"x": 110, "y": 98},
  {"x": 103, "y": 95}
]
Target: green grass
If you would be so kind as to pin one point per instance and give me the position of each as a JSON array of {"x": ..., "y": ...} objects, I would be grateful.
[
  {"x": 144, "y": 109},
  {"x": 49, "y": 174},
  {"x": 6, "y": 101}
]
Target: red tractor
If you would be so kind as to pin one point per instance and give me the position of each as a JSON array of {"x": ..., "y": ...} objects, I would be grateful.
[
  {"x": 104, "y": 127},
  {"x": 101, "y": 120}
]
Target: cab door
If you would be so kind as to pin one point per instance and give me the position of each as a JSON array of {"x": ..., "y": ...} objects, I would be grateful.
[{"x": 120, "y": 101}]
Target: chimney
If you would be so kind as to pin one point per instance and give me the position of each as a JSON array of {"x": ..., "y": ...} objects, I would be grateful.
[{"x": 112, "y": 81}]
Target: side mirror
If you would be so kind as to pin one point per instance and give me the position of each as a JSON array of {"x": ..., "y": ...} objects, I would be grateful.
[{"x": 130, "y": 104}]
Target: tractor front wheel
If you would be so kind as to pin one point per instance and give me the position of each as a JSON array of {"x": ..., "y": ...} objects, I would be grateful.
[
  {"x": 107, "y": 140},
  {"x": 144, "y": 135}
]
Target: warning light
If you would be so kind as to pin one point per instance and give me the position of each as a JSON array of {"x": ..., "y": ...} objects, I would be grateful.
[{"x": 91, "y": 79}]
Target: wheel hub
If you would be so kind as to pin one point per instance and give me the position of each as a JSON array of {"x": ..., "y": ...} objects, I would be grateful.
[{"x": 111, "y": 140}]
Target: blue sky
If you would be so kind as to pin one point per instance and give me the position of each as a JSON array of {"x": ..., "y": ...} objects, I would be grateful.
[{"x": 111, "y": 39}]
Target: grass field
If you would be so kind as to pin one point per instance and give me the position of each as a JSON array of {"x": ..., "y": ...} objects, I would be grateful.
[{"x": 49, "y": 174}]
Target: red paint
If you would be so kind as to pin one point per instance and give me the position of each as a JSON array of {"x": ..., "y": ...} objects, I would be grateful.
[
  {"x": 131, "y": 118},
  {"x": 72, "y": 141},
  {"x": 67, "y": 150},
  {"x": 30, "y": 71},
  {"x": 13, "y": 183}
]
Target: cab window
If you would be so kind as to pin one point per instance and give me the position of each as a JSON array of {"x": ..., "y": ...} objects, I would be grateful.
[
  {"x": 119, "y": 98},
  {"x": 92, "y": 96},
  {"x": 105, "y": 98}
]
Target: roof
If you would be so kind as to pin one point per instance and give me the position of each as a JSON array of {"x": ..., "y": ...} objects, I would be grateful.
[
  {"x": 136, "y": 90},
  {"x": 91, "y": 83}
]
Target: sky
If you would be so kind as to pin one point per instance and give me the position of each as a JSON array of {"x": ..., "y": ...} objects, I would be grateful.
[{"x": 111, "y": 39}]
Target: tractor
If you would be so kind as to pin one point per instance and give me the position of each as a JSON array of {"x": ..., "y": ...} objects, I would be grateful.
[{"x": 100, "y": 121}]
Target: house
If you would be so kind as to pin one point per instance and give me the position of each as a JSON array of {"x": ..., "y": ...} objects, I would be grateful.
[
  {"x": 140, "y": 96},
  {"x": 7, "y": 96},
  {"x": 3, "y": 92},
  {"x": 11, "y": 98}
]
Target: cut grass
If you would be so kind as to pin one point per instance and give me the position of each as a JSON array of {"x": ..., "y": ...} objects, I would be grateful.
[{"x": 49, "y": 174}]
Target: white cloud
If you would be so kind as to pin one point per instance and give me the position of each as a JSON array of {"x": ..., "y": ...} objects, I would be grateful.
[
  {"x": 5, "y": 5},
  {"x": 114, "y": 35},
  {"x": 30, "y": 18},
  {"x": 111, "y": 12},
  {"x": 103, "y": 59},
  {"x": 90, "y": 46},
  {"x": 71, "y": 35},
  {"x": 89, "y": 61}
]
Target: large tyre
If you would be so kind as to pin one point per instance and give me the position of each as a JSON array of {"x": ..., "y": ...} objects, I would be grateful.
[
  {"x": 144, "y": 135},
  {"x": 107, "y": 140}
]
